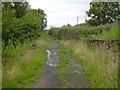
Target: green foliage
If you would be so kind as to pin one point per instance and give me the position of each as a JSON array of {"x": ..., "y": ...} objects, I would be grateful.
[
  {"x": 11, "y": 51},
  {"x": 19, "y": 7},
  {"x": 68, "y": 25},
  {"x": 86, "y": 31},
  {"x": 8, "y": 24},
  {"x": 20, "y": 25},
  {"x": 0, "y": 24},
  {"x": 111, "y": 34},
  {"x": 63, "y": 69},
  {"x": 65, "y": 62},
  {"x": 22, "y": 65},
  {"x": 103, "y": 12},
  {"x": 100, "y": 64},
  {"x": 47, "y": 39},
  {"x": 28, "y": 26}
]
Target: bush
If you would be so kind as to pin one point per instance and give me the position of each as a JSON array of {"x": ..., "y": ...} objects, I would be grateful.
[
  {"x": 90, "y": 32},
  {"x": 27, "y": 27}
]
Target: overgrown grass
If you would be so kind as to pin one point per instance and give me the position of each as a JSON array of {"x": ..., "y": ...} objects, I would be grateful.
[
  {"x": 47, "y": 39},
  {"x": 0, "y": 65},
  {"x": 111, "y": 34},
  {"x": 99, "y": 63},
  {"x": 64, "y": 61},
  {"x": 23, "y": 65}
]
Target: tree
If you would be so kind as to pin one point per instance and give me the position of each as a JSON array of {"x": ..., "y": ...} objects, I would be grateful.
[
  {"x": 44, "y": 19},
  {"x": 8, "y": 24},
  {"x": 21, "y": 26},
  {"x": 19, "y": 7},
  {"x": 68, "y": 25},
  {"x": 103, "y": 12}
]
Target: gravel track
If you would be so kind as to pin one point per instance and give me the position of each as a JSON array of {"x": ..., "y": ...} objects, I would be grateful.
[{"x": 51, "y": 79}]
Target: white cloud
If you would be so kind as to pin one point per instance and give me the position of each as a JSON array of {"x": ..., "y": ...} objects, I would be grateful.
[{"x": 62, "y": 12}]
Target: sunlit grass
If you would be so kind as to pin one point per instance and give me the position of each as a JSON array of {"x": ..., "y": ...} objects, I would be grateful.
[{"x": 99, "y": 63}]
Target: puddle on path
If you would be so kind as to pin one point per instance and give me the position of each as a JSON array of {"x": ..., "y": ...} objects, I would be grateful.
[
  {"x": 51, "y": 61},
  {"x": 50, "y": 78}
]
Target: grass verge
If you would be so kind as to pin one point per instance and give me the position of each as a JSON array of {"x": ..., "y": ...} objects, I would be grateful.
[
  {"x": 23, "y": 69},
  {"x": 100, "y": 64}
]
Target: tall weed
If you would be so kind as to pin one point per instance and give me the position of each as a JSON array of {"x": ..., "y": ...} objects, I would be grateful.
[
  {"x": 22, "y": 65},
  {"x": 100, "y": 64}
]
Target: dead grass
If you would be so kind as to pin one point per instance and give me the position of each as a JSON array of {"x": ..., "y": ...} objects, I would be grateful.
[
  {"x": 14, "y": 72},
  {"x": 40, "y": 42}
]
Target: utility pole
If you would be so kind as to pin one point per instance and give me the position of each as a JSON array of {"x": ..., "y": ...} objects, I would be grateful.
[
  {"x": 85, "y": 16},
  {"x": 77, "y": 20}
]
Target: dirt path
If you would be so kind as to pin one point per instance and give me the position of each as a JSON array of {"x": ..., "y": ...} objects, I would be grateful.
[{"x": 51, "y": 79}]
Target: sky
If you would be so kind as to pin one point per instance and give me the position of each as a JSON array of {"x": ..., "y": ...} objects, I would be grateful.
[{"x": 62, "y": 12}]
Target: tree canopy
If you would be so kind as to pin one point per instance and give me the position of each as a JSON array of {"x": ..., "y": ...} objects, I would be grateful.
[
  {"x": 19, "y": 7},
  {"x": 20, "y": 22},
  {"x": 103, "y": 12}
]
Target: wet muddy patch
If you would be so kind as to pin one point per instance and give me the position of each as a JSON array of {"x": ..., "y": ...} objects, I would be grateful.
[
  {"x": 61, "y": 70},
  {"x": 70, "y": 72},
  {"x": 50, "y": 79}
]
